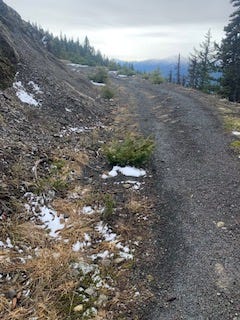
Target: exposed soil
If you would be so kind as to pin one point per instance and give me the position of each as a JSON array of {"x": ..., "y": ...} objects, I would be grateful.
[{"x": 196, "y": 265}]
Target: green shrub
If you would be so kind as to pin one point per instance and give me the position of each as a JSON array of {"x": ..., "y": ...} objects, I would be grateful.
[
  {"x": 107, "y": 93},
  {"x": 145, "y": 76},
  {"x": 100, "y": 76},
  {"x": 156, "y": 77},
  {"x": 131, "y": 151},
  {"x": 109, "y": 205}
]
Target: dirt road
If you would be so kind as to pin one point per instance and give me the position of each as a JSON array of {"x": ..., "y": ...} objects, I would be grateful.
[{"x": 197, "y": 265}]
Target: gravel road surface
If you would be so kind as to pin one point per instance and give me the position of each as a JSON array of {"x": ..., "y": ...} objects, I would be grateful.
[{"x": 197, "y": 265}]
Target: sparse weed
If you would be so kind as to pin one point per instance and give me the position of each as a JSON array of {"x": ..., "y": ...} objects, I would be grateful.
[
  {"x": 235, "y": 145},
  {"x": 107, "y": 93},
  {"x": 231, "y": 123},
  {"x": 109, "y": 205}
]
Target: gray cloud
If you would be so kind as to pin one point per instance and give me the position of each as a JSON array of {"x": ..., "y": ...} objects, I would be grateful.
[
  {"x": 110, "y": 13},
  {"x": 131, "y": 29}
]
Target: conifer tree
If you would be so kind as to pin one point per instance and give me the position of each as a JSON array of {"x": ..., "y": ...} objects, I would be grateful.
[
  {"x": 202, "y": 65},
  {"x": 230, "y": 56},
  {"x": 178, "y": 74}
]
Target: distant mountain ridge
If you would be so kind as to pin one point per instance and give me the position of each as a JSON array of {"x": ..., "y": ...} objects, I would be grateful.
[{"x": 165, "y": 65}]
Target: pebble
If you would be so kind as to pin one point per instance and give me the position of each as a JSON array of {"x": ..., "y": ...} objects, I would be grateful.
[
  {"x": 11, "y": 293},
  {"x": 220, "y": 224},
  {"x": 127, "y": 185},
  {"x": 119, "y": 260},
  {"x": 78, "y": 308},
  {"x": 90, "y": 291}
]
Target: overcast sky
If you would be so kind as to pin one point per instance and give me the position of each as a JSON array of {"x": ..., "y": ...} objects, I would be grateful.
[{"x": 131, "y": 29}]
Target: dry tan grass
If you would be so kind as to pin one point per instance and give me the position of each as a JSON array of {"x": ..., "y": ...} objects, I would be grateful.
[{"x": 29, "y": 234}]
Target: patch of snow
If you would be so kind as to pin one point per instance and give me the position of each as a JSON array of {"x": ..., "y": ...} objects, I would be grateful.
[
  {"x": 80, "y": 245},
  {"x": 51, "y": 220},
  {"x": 23, "y": 95},
  {"x": 98, "y": 84},
  {"x": 122, "y": 76},
  {"x": 124, "y": 251},
  {"x": 35, "y": 87},
  {"x": 77, "y": 130},
  {"x": 68, "y": 110},
  {"x": 103, "y": 255},
  {"x": 87, "y": 210},
  {"x": 48, "y": 217},
  {"x": 84, "y": 267},
  {"x": 126, "y": 256},
  {"x": 236, "y": 133},
  {"x": 106, "y": 232},
  {"x": 75, "y": 65},
  {"x": 7, "y": 245},
  {"x": 45, "y": 41},
  {"x": 127, "y": 171}
]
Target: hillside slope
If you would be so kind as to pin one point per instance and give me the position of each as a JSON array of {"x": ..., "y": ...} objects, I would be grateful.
[{"x": 65, "y": 249}]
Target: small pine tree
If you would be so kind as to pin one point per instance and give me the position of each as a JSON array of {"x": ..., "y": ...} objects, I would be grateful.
[{"x": 202, "y": 65}]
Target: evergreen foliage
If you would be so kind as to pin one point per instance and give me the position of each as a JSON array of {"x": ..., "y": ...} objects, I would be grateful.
[
  {"x": 202, "y": 65},
  {"x": 72, "y": 50},
  {"x": 100, "y": 76},
  {"x": 229, "y": 54},
  {"x": 156, "y": 77},
  {"x": 131, "y": 151}
]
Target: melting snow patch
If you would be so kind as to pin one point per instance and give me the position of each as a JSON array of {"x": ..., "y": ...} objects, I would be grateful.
[
  {"x": 236, "y": 133},
  {"x": 51, "y": 220},
  {"x": 75, "y": 65},
  {"x": 7, "y": 245},
  {"x": 98, "y": 84},
  {"x": 87, "y": 210},
  {"x": 84, "y": 244},
  {"x": 126, "y": 171},
  {"x": 77, "y": 130},
  {"x": 35, "y": 87},
  {"x": 106, "y": 232},
  {"x": 48, "y": 216},
  {"x": 103, "y": 255},
  {"x": 124, "y": 251},
  {"x": 23, "y": 95}
]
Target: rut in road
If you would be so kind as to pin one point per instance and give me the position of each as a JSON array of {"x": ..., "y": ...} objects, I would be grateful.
[{"x": 197, "y": 265}]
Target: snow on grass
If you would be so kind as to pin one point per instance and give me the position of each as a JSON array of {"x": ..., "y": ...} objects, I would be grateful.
[
  {"x": 88, "y": 210},
  {"x": 23, "y": 95},
  {"x": 75, "y": 65},
  {"x": 126, "y": 171},
  {"x": 102, "y": 255},
  {"x": 52, "y": 222},
  {"x": 124, "y": 251},
  {"x": 78, "y": 130},
  {"x": 98, "y": 84},
  {"x": 35, "y": 87},
  {"x": 106, "y": 232},
  {"x": 81, "y": 245},
  {"x": 236, "y": 133},
  {"x": 46, "y": 215},
  {"x": 65, "y": 132},
  {"x": 7, "y": 245}
]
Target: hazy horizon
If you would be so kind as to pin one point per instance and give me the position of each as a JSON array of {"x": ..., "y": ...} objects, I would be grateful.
[{"x": 131, "y": 31}]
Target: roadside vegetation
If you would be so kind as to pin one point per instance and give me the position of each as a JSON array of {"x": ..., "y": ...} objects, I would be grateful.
[{"x": 133, "y": 150}]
